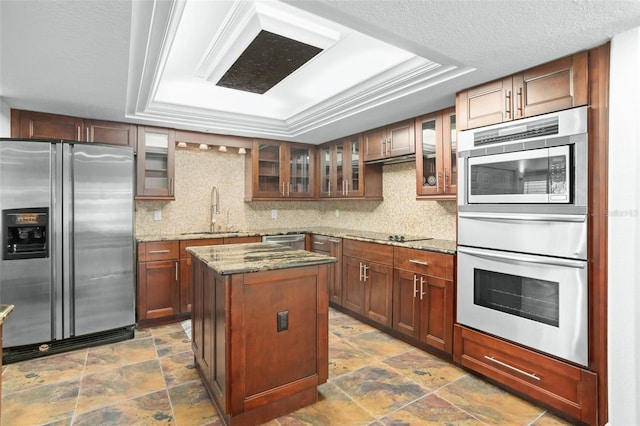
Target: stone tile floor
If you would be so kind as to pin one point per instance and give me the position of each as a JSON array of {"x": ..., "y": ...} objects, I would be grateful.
[{"x": 374, "y": 379}]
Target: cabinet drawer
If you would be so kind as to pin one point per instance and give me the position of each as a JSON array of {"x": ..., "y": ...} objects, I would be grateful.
[
  {"x": 320, "y": 243},
  {"x": 242, "y": 240},
  {"x": 424, "y": 262},
  {"x": 197, "y": 243},
  {"x": 565, "y": 387},
  {"x": 380, "y": 253},
  {"x": 157, "y": 250}
]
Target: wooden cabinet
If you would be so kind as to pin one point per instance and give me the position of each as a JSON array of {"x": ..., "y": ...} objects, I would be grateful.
[
  {"x": 423, "y": 297},
  {"x": 436, "y": 155},
  {"x": 38, "y": 125},
  {"x": 331, "y": 246},
  {"x": 565, "y": 387},
  {"x": 156, "y": 163},
  {"x": 390, "y": 141},
  {"x": 254, "y": 368},
  {"x": 343, "y": 173},
  {"x": 367, "y": 280},
  {"x": 553, "y": 86},
  {"x": 280, "y": 171},
  {"x": 158, "y": 294}
]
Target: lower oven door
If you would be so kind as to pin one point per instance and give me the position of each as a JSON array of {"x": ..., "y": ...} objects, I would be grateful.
[{"x": 536, "y": 301}]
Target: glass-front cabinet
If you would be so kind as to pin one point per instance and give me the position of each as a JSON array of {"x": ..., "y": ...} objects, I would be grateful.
[
  {"x": 281, "y": 170},
  {"x": 156, "y": 150},
  {"x": 341, "y": 166},
  {"x": 436, "y": 162}
]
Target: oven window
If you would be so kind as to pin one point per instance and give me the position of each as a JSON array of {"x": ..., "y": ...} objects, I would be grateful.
[{"x": 530, "y": 298}]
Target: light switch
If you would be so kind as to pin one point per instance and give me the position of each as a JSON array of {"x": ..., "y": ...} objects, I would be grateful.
[
  {"x": 274, "y": 214},
  {"x": 157, "y": 215}
]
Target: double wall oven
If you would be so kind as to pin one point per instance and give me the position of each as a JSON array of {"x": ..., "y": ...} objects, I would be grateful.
[{"x": 522, "y": 232}]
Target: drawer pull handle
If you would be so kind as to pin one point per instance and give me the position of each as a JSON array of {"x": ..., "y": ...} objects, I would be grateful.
[
  {"x": 419, "y": 262},
  {"x": 492, "y": 359},
  {"x": 158, "y": 251},
  {"x": 318, "y": 243},
  {"x": 334, "y": 240}
]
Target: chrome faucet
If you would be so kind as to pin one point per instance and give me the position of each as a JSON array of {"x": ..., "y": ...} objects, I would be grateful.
[{"x": 215, "y": 207}]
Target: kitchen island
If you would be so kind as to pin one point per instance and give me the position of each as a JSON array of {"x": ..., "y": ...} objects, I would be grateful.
[{"x": 260, "y": 328}]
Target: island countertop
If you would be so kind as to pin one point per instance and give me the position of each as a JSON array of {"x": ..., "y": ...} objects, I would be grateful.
[{"x": 255, "y": 257}]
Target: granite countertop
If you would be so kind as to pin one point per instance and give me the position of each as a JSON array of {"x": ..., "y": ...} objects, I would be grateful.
[
  {"x": 256, "y": 257},
  {"x": 5, "y": 310},
  {"x": 419, "y": 243}
]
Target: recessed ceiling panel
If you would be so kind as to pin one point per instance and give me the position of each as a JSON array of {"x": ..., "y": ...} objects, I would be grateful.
[{"x": 268, "y": 60}]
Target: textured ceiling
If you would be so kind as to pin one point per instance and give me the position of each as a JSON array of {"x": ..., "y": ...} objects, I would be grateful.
[{"x": 77, "y": 57}]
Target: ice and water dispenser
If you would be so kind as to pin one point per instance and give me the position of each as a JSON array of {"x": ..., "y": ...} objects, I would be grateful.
[{"x": 25, "y": 233}]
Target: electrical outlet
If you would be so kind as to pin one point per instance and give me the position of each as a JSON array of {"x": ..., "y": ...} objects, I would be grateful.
[
  {"x": 157, "y": 215},
  {"x": 337, "y": 213},
  {"x": 274, "y": 214},
  {"x": 283, "y": 321}
]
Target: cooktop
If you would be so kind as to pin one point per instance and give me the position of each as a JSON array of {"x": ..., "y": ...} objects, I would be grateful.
[{"x": 381, "y": 236}]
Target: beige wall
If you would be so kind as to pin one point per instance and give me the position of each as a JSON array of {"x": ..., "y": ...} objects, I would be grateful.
[{"x": 198, "y": 171}]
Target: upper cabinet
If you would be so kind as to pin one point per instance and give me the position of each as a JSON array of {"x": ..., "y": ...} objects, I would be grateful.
[
  {"x": 156, "y": 151},
  {"x": 389, "y": 141},
  {"x": 280, "y": 171},
  {"x": 38, "y": 125},
  {"x": 553, "y": 86},
  {"x": 436, "y": 165},
  {"x": 343, "y": 173}
]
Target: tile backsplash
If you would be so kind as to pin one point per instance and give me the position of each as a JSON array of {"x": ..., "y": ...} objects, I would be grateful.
[{"x": 197, "y": 172}]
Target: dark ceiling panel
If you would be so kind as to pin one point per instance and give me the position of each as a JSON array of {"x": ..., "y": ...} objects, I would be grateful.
[{"x": 268, "y": 60}]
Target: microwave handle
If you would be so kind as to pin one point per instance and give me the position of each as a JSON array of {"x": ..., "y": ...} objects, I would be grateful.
[
  {"x": 502, "y": 217},
  {"x": 578, "y": 264}
]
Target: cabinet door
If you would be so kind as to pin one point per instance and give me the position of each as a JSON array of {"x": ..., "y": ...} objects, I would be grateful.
[
  {"x": 352, "y": 285},
  {"x": 158, "y": 290},
  {"x": 300, "y": 171},
  {"x": 406, "y": 303},
  {"x": 353, "y": 185},
  {"x": 401, "y": 139},
  {"x": 328, "y": 163},
  {"x": 378, "y": 280},
  {"x": 37, "y": 125},
  {"x": 449, "y": 150},
  {"x": 551, "y": 87},
  {"x": 489, "y": 103},
  {"x": 156, "y": 149},
  {"x": 375, "y": 144},
  {"x": 429, "y": 156},
  {"x": 436, "y": 323},
  {"x": 268, "y": 159},
  {"x": 110, "y": 132}
]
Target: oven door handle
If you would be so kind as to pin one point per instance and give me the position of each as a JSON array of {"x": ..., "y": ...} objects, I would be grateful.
[
  {"x": 503, "y": 217},
  {"x": 553, "y": 261}
]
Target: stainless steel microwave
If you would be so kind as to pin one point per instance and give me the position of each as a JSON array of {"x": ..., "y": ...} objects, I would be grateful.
[{"x": 535, "y": 165}]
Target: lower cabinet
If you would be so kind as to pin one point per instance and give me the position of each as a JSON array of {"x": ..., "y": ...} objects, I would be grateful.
[
  {"x": 423, "y": 297},
  {"x": 164, "y": 278},
  {"x": 367, "y": 280},
  {"x": 331, "y": 246},
  {"x": 564, "y": 387},
  {"x": 158, "y": 294}
]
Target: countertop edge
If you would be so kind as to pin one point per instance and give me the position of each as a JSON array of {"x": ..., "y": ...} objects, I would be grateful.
[
  {"x": 433, "y": 245},
  {"x": 5, "y": 311}
]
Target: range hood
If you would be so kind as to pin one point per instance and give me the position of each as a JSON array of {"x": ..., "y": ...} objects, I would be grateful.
[{"x": 393, "y": 160}]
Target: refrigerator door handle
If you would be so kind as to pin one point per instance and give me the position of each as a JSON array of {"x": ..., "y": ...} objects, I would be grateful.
[{"x": 64, "y": 161}]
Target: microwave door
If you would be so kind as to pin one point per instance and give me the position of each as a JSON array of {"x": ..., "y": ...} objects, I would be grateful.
[{"x": 519, "y": 177}]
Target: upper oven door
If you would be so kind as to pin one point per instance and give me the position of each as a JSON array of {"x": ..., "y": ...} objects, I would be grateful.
[{"x": 524, "y": 177}]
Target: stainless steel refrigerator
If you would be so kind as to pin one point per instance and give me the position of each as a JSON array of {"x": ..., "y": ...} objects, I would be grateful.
[{"x": 67, "y": 257}]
